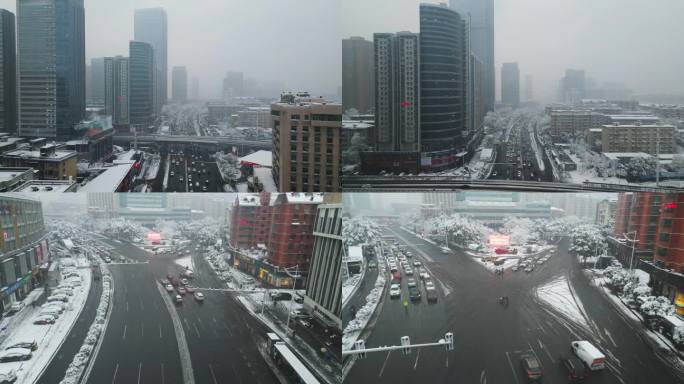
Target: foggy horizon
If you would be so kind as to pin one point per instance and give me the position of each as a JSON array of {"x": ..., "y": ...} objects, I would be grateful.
[
  {"x": 613, "y": 41},
  {"x": 222, "y": 36}
]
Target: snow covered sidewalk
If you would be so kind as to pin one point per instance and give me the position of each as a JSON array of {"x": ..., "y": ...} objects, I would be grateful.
[
  {"x": 49, "y": 337},
  {"x": 559, "y": 295},
  {"x": 356, "y": 326}
]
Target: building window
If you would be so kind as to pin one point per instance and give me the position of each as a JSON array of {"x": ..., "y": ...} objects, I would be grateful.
[
  {"x": 667, "y": 223},
  {"x": 664, "y": 237},
  {"x": 662, "y": 251}
]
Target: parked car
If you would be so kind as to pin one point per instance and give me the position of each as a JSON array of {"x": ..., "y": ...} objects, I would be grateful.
[
  {"x": 32, "y": 345},
  {"x": 199, "y": 296},
  {"x": 44, "y": 320},
  {"x": 54, "y": 312},
  {"x": 589, "y": 354},
  {"x": 15, "y": 354},
  {"x": 15, "y": 307},
  {"x": 59, "y": 297},
  {"x": 8, "y": 377},
  {"x": 575, "y": 368},
  {"x": 532, "y": 367}
]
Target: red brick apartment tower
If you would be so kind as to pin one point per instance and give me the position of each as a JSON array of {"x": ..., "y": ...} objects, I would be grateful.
[
  {"x": 250, "y": 221},
  {"x": 291, "y": 241},
  {"x": 669, "y": 248},
  {"x": 622, "y": 213}
]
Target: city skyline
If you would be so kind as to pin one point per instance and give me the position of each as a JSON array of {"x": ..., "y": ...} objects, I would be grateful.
[
  {"x": 222, "y": 34},
  {"x": 527, "y": 32}
]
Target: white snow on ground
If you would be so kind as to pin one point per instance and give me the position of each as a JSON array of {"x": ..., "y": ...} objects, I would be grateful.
[
  {"x": 537, "y": 151},
  {"x": 356, "y": 326},
  {"x": 558, "y": 294},
  {"x": 642, "y": 275},
  {"x": 508, "y": 263},
  {"x": 419, "y": 236},
  {"x": 48, "y": 337},
  {"x": 185, "y": 262},
  {"x": 349, "y": 285},
  {"x": 579, "y": 176}
]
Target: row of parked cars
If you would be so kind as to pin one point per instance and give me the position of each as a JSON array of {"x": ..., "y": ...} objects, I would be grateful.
[
  {"x": 528, "y": 263},
  {"x": 181, "y": 286}
]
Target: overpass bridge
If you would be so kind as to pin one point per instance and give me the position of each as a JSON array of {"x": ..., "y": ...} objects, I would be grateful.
[
  {"x": 448, "y": 183},
  {"x": 213, "y": 143}
]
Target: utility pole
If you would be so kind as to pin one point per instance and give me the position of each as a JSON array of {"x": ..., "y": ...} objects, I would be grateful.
[{"x": 657, "y": 155}]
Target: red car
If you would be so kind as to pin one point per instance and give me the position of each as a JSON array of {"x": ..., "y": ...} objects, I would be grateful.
[
  {"x": 501, "y": 251},
  {"x": 396, "y": 275},
  {"x": 532, "y": 367}
]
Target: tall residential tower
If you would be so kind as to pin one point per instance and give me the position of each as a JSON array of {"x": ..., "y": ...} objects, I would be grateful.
[
  {"x": 357, "y": 74},
  {"x": 8, "y": 73},
  {"x": 151, "y": 26}
]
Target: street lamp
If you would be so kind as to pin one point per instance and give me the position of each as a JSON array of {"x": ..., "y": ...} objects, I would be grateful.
[
  {"x": 294, "y": 283},
  {"x": 634, "y": 241}
]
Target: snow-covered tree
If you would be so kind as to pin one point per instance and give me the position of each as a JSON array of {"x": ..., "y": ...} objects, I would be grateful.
[
  {"x": 677, "y": 164},
  {"x": 228, "y": 165},
  {"x": 521, "y": 230},
  {"x": 616, "y": 278},
  {"x": 586, "y": 240},
  {"x": 639, "y": 166},
  {"x": 461, "y": 229},
  {"x": 634, "y": 291},
  {"x": 359, "y": 230},
  {"x": 656, "y": 306},
  {"x": 352, "y": 154}
]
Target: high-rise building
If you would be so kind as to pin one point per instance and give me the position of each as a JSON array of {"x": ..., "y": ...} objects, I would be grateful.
[
  {"x": 233, "y": 85},
  {"x": 141, "y": 89},
  {"x": 357, "y": 74},
  {"x": 97, "y": 82},
  {"x": 573, "y": 86},
  {"x": 325, "y": 276},
  {"x": 510, "y": 85},
  {"x": 444, "y": 60},
  {"x": 51, "y": 40},
  {"x": 605, "y": 211},
  {"x": 195, "y": 88},
  {"x": 306, "y": 144},
  {"x": 179, "y": 84},
  {"x": 117, "y": 94},
  {"x": 151, "y": 26},
  {"x": 477, "y": 103},
  {"x": 397, "y": 94},
  {"x": 8, "y": 73},
  {"x": 481, "y": 14},
  {"x": 529, "y": 88},
  {"x": 653, "y": 139}
]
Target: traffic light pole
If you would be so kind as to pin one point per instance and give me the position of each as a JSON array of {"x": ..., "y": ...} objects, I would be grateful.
[{"x": 361, "y": 350}]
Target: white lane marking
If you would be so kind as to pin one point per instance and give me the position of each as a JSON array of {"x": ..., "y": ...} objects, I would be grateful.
[
  {"x": 212, "y": 374},
  {"x": 124, "y": 332},
  {"x": 543, "y": 347},
  {"x": 139, "y": 370},
  {"x": 162, "y": 373},
  {"x": 196, "y": 330},
  {"x": 142, "y": 330},
  {"x": 384, "y": 364},
  {"x": 610, "y": 337},
  {"x": 415, "y": 365},
  {"x": 483, "y": 377},
  {"x": 160, "y": 334},
  {"x": 127, "y": 306},
  {"x": 510, "y": 364},
  {"x": 115, "y": 371}
]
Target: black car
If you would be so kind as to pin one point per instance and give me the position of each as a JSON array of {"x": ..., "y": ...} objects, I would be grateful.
[
  {"x": 575, "y": 368},
  {"x": 431, "y": 294},
  {"x": 414, "y": 294},
  {"x": 532, "y": 367}
]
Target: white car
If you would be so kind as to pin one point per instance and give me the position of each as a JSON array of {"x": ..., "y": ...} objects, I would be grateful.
[
  {"x": 63, "y": 298},
  {"x": 54, "y": 312},
  {"x": 395, "y": 290},
  {"x": 408, "y": 271},
  {"x": 199, "y": 296},
  {"x": 446, "y": 250},
  {"x": 424, "y": 275},
  {"x": 169, "y": 288},
  {"x": 411, "y": 283},
  {"x": 417, "y": 263},
  {"x": 15, "y": 354},
  {"x": 429, "y": 284}
]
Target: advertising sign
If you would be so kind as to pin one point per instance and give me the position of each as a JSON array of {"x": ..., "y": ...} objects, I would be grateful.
[{"x": 499, "y": 240}]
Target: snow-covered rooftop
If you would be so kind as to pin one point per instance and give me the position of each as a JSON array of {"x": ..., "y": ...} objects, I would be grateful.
[
  {"x": 622, "y": 155},
  {"x": 42, "y": 186},
  {"x": 261, "y": 158},
  {"x": 353, "y": 124},
  {"x": 265, "y": 177},
  {"x": 487, "y": 203},
  {"x": 304, "y": 197},
  {"x": 247, "y": 200},
  {"x": 125, "y": 157},
  {"x": 109, "y": 180},
  {"x": 27, "y": 153}
]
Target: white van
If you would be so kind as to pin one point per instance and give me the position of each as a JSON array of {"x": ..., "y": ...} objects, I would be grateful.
[{"x": 589, "y": 354}]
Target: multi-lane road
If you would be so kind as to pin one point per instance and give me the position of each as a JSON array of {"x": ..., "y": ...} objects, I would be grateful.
[
  {"x": 193, "y": 171},
  {"x": 491, "y": 338},
  {"x": 515, "y": 159},
  {"x": 140, "y": 343}
]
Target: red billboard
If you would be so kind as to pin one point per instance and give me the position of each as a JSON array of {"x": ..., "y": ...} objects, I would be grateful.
[{"x": 499, "y": 240}]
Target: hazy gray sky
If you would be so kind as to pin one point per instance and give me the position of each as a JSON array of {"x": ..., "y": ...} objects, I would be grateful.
[
  {"x": 296, "y": 42},
  {"x": 635, "y": 42}
]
